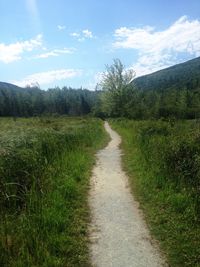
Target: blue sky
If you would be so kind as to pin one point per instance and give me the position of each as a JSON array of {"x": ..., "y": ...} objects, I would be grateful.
[{"x": 61, "y": 42}]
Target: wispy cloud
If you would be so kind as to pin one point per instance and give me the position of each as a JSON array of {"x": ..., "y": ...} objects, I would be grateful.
[
  {"x": 34, "y": 13},
  {"x": 48, "y": 77},
  {"x": 159, "y": 49},
  {"x": 61, "y": 27},
  {"x": 75, "y": 34},
  {"x": 14, "y": 51},
  {"x": 87, "y": 34},
  {"x": 81, "y": 36},
  {"x": 55, "y": 53}
]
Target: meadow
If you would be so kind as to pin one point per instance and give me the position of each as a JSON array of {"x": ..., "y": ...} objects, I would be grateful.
[
  {"x": 162, "y": 159},
  {"x": 45, "y": 165}
]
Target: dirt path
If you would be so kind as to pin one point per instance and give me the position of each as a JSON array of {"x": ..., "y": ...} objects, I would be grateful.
[{"x": 118, "y": 234}]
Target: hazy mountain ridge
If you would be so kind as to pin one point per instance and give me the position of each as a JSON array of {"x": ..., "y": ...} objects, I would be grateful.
[
  {"x": 4, "y": 85},
  {"x": 183, "y": 75}
]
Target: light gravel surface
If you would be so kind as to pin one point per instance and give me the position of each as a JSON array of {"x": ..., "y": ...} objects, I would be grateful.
[{"x": 118, "y": 234}]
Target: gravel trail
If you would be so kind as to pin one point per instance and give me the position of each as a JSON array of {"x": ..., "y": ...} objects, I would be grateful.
[{"x": 118, "y": 234}]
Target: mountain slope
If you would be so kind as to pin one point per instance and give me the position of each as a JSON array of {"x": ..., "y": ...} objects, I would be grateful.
[
  {"x": 181, "y": 76},
  {"x": 9, "y": 86}
]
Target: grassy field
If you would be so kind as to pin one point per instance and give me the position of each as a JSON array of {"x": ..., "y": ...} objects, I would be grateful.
[
  {"x": 163, "y": 162},
  {"x": 45, "y": 164}
]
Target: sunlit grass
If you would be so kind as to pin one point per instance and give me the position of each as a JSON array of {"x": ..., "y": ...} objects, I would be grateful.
[
  {"x": 45, "y": 166},
  {"x": 162, "y": 160}
]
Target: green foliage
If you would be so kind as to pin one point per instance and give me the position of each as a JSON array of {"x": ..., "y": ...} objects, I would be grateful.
[
  {"x": 169, "y": 93},
  {"x": 162, "y": 159},
  {"x": 45, "y": 166},
  {"x": 116, "y": 84}
]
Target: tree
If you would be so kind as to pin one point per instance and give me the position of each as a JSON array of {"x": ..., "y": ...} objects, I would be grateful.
[{"x": 116, "y": 85}]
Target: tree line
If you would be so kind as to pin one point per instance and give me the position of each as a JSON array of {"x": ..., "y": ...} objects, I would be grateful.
[
  {"x": 173, "y": 92},
  {"x": 34, "y": 101}
]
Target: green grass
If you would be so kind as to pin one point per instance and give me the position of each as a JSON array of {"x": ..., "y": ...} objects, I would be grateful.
[
  {"x": 162, "y": 161},
  {"x": 45, "y": 165}
]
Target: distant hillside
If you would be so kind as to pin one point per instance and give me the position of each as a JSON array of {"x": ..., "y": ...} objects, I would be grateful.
[
  {"x": 9, "y": 86},
  {"x": 181, "y": 76}
]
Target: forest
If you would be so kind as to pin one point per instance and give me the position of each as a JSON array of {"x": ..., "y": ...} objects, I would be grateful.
[
  {"x": 169, "y": 93},
  {"x": 27, "y": 102}
]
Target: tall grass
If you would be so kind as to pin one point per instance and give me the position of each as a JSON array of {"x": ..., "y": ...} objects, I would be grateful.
[
  {"x": 163, "y": 161},
  {"x": 45, "y": 166}
]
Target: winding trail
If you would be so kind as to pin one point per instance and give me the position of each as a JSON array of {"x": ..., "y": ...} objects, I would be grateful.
[{"x": 118, "y": 234}]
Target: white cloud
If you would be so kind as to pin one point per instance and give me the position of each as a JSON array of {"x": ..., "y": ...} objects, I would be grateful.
[
  {"x": 48, "y": 77},
  {"x": 81, "y": 36},
  {"x": 159, "y": 49},
  {"x": 61, "y": 27},
  {"x": 55, "y": 53},
  {"x": 87, "y": 33},
  {"x": 75, "y": 34},
  {"x": 13, "y": 52}
]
